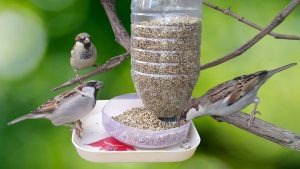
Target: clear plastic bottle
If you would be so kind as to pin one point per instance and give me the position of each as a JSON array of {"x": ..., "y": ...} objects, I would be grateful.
[{"x": 165, "y": 49}]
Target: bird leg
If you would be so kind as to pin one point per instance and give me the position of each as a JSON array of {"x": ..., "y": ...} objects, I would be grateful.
[
  {"x": 254, "y": 112},
  {"x": 78, "y": 128},
  {"x": 78, "y": 76}
]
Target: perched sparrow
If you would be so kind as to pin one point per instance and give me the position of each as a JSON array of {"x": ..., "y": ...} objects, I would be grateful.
[
  {"x": 67, "y": 108},
  {"x": 234, "y": 95},
  {"x": 83, "y": 54}
]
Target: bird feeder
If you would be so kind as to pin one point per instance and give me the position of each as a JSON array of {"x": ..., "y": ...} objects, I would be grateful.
[
  {"x": 165, "y": 50},
  {"x": 165, "y": 65}
]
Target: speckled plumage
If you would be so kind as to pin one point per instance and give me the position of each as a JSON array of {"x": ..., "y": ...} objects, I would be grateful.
[
  {"x": 84, "y": 53},
  {"x": 68, "y": 107},
  {"x": 233, "y": 95}
]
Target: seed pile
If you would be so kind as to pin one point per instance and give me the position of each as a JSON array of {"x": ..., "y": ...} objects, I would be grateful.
[
  {"x": 143, "y": 119},
  {"x": 165, "y": 62}
]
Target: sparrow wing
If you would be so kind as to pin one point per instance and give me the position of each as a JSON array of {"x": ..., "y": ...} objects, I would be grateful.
[
  {"x": 54, "y": 103},
  {"x": 231, "y": 91},
  {"x": 244, "y": 84},
  {"x": 49, "y": 106}
]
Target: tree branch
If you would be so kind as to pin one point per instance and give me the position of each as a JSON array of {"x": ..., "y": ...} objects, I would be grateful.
[
  {"x": 228, "y": 12},
  {"x": 111, "y": 63},
  {"x": 259, "y": 127},
  {"x": 120, "y": 32},
  {"x": 275, "y": 22},
  {"x": 263, "y": 129}
]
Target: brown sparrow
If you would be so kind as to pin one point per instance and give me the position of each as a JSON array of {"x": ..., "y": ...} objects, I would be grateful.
[
  {"x": 234, "y": 95},
  {"x": 83, "y": 54},
  {"x": 67, "y": 108}
]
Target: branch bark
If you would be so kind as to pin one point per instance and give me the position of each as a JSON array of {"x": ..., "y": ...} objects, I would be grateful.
[
  {"x": 260, "y": 128},
  {"x": 121, "y": 35},
  {"x": 275, "y": 22},
  {"x": 263, "y": 129},
  {"x": 241, "y": 19},
  {"x": 111, "y": 63}
]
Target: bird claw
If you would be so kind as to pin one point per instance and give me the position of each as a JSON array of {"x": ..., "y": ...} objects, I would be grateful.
[
  {"x": 252, "y": 118},
  {"x": 78, "y": 128},
  {"x": 79, "y": 79}
]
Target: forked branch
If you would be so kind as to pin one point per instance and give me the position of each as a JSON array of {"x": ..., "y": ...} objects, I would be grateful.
[
  {"x": 275, "y": 22},
  {"x": 123, "y": 38},
  {"x": 241, "y": 19}
]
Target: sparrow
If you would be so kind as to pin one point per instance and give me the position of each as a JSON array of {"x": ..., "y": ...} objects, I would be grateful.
[
  {"x": 233, "y": 95},
  {"x": 68, "y": 107},
  {"x": 83, "y": 54}
]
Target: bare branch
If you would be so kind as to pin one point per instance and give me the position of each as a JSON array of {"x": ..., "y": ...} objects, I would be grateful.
[
  {"x": 120, "y": 32},
  {"x": 250, "y": 23},
  {"x": 259, "y": 127},
  {"x": 123, "y": 38},
  {"x": 275, "y": 22},
  {"x": 263, "y": 129},
  {"x": 111, "y": 63}
]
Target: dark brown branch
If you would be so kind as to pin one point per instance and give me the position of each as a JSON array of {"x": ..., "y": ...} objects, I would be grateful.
[
  {"x": 111, "y": 63},
  {"x": 275, "y": 22},
  {"x": 259, "y": 127},
  {"x": 249, "y": 23},
  {"x": 263, "y": 129},
  {"x": 120, "y": 32}
]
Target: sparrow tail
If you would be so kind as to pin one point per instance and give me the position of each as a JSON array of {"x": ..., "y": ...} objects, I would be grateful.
[
  {"x": 274, "y": 71},
  {"x": 25, "y": 117}
]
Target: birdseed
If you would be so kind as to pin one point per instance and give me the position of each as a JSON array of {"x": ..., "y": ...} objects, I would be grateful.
[
  {"x": 165, "y": 62},
  {"x": 143, "y": 119}
]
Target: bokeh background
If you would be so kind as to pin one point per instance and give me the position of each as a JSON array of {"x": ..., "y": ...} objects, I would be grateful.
[{"x": 36, "y": 37}]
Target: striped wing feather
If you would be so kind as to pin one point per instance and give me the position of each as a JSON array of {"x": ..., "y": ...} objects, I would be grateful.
[{"x": 235, "y": 89}]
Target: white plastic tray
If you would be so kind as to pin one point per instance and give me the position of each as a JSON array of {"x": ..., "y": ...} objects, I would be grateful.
[{"x": 94, "y": 131}]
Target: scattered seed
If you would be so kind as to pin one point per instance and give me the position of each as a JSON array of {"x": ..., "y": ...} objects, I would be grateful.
[{"x": 143, "y": 119}]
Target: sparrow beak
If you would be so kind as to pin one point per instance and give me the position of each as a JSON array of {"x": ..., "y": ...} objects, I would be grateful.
[
  {"x": 86, "y": 40},
  {"x": 99, "y": 85}
]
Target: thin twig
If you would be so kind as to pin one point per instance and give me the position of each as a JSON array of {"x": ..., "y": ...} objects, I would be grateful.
[
  {"x": 275, "y": 22},
  {"x": 111, "y": 63},
  {"x": 250, "y": 23}
]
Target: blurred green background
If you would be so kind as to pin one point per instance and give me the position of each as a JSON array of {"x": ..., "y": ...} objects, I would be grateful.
[{"x": 36, "y": 37}]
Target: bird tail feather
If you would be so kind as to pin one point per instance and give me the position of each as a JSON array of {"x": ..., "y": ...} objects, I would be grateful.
[
  {"x": 25, "y": 117},
  {"x": 274, "y": 71}
]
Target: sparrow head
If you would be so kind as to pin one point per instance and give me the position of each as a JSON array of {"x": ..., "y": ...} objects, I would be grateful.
[
  {"x": 84, "y": 38},
  {"x": 92, "y": 87},
  {"x": 93, "y": 83}
]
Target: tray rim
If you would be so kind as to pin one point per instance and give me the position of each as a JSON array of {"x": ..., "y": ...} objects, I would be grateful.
[
  {"x": 93, "y": 154},
  {"x": 198, "y": 138}
]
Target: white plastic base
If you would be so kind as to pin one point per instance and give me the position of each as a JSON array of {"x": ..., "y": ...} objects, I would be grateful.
[{"x": 94, "y": 131}]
